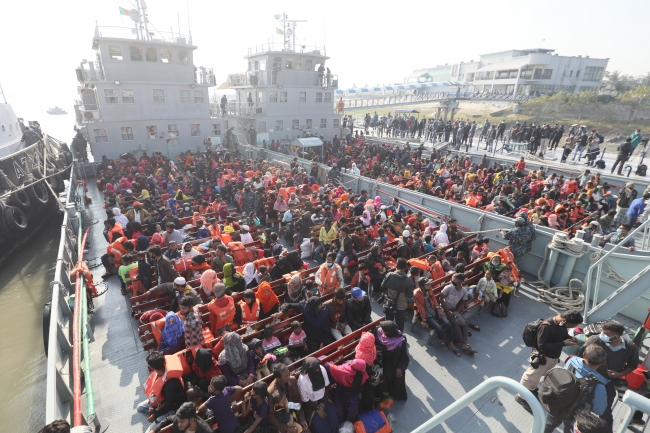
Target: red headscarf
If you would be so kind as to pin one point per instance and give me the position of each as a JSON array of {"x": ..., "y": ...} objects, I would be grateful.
[
  {"x": 366, "y": 349},
  {"x": 266, "y": 296},
  {"x": 345, "y": 374}
]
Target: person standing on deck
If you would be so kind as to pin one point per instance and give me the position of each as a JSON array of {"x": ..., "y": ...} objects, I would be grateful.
[
  {"x": 552, "y": 336},
  {"x": 625, "y": 197},
  {"x": 520, "y": 239}
]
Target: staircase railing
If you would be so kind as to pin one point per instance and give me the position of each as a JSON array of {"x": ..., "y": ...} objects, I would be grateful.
[
  {"x": 539, "y": 416},
  {"x": 593, "y": 295}
]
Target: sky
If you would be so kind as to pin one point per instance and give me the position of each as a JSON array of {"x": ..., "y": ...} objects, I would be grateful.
[{"x": 371, "y": 43}]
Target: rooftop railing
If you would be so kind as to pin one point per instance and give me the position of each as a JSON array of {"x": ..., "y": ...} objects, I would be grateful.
[
  {"x": 122, "y": 32},
  {"x": 279, "y": 46}
]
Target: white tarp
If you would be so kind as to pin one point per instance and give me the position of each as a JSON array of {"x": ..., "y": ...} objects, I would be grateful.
[{"x": 307, "y": 142}]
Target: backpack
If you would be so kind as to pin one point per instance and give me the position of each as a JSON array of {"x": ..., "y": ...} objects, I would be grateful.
[
  {"x": 530, "y": 332},
  {"x": 499, "y": 309},
  {"x": 561, "y": 392}
]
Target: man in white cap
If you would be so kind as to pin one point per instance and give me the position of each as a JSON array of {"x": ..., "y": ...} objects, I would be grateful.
[
  {"x": 404, "y": 246},
  {"x": 244, "y": 234},
  {"x": 178, "y": 288},
  {"x": 590, "y": 231}
]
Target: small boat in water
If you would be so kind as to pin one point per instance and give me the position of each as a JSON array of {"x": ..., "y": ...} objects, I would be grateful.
[{"x": 56, "y": 110}]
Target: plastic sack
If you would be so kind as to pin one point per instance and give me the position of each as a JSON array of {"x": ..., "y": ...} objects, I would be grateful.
[{"x": 346, "y": 427}]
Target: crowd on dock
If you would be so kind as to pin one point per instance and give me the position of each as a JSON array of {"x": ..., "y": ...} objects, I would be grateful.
[{"x": 253, "y": 283}]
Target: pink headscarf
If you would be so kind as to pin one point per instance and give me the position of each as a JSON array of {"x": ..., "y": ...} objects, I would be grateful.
[
  {"x": 552, "y": 221},
  {"x": 377, "y": 202},
  {"x": 157, "y": 239},
  {"x": 344, "y": 374},
  {"x": 208, "y": 280},
  {"x": 366, "y": 349}
]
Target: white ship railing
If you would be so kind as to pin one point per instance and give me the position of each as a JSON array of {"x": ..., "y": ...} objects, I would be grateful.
[{"x": 493, "y": 383}]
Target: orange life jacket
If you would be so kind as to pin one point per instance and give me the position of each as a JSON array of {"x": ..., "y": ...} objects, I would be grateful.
[
  {"x": 224, "y": 315},
  {"x": 118, "y": 250},
  {"x": 183, "y": 264},
  {"x": 249, "y": 315},
  {"x": 117, "y": 229},
  {"x": 81, "y": 268},
  {"x": 328, "y": 279},
  {"x": 437, "y": 271},
  {"x": 238, "y": 252},
  {"x": 214, "y": 231},
  {"x": 136, "y": 284},
  {"x": 422, "y": 264},
  {"x": 506, "y": 256},
  {"x": 472, "y": 200},
  {"x": 154, "y": 384}
]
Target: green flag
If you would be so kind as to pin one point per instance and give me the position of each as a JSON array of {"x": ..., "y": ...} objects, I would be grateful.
[
  {"x": 278, "y": 31},
  {"x": 124, "y": 12}
]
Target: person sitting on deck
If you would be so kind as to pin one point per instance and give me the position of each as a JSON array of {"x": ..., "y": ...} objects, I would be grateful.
[
  {"x": 163, "y": 388},
  {"x": 177, "y": 289},
  {"x": 358, "y": 309},
  {"x": 221, "y": 403},
  {"x": 223, "y": 311},
  {"x": 185, "y": 420},
  {"x": 314, "y": 385},
  {"x": 173, "y": 253},
  {"x": 236, "y": 361},
  {"x": 336, "y": 308}
]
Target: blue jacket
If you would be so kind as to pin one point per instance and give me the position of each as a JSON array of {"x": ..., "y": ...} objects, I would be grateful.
[
  {"x": 580, "y": 369},
  {"x": 636, "y": 208}
]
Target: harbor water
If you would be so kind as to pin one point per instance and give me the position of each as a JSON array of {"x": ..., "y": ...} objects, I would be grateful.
[{"x": 24, "y": 290}]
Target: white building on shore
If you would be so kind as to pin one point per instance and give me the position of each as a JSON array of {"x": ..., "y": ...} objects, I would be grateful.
[{"x": 520, "y": 72}]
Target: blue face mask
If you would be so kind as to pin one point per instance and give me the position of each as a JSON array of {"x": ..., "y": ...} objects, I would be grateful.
[
  {"x": 605, "y": 338},
  {"x": 619, "y": 231}
]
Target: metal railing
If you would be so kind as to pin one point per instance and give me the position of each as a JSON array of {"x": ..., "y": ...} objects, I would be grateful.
[
  {"x": 598, "y": 265},
  {"x": 362, "y": 101},
  {"x": 288, "y": 77},
  {"x": 279, "y": 46},
  {"x": 123, "y": 32},
  {"x": 247, "y": 109},
  {"x": 636, "y": 402},
  {"x": 493, "y": 383}
]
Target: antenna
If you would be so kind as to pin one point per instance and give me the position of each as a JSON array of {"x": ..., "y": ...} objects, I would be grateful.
[
  {"x": 187, "y": 4},
  {"x": 179, "y": 23}
]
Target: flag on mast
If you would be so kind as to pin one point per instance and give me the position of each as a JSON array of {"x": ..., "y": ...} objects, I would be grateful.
[
  {"x": 124, "y": 12},
  {"x": 278, "y": 31}
]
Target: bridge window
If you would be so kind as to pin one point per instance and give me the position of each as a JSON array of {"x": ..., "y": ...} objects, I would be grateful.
[
  {"x": 323, "y": 123},
  {"x": 216, "y": 129},
  {"x": 198, "y": 97},
  {"x": 185, "y": 96},
  {"x": 302, "y": 97},
  {"x": 261, "y": 126},
  {"x": 128, "y": 96},
  {"x": 159, "y": 96},
  {"x": 115, "y": 52},
  {"x": 295, "y": 124},
  {"x": 283, "y": 96},
  {"x": 182, "y": 57},
  {"x": 100, "y": 135},
  {"x": 319, "y": 97},
  {"x": 289, "y": 63},
  {"x": 111, "y": 96},
  {"x": 335, "y": 123},
  {"x": 165, "y": 55},
  {"x": 172, "y": 130},
  {"x": 195, "y": 129},
  {"x": 127, "y": 133},
  {"x": 152, "y": 131},
  {"x": 273, "y": 96},
  {"x": 328, "y": 98},
  {"x": 151, "y": 54},
  {"x": 279, "y": 126},
  {"x": 136, "y": 52},
  {"x": 277, "y": 63}
]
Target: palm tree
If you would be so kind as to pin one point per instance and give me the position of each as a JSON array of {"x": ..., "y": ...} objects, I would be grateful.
[{"x": 611, "y": 81}]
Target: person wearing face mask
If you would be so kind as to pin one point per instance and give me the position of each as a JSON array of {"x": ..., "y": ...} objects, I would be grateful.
[
  {"x": 329, "y": 276},
  {"x": 494, "y": 265},
  {"x": 622, "y": 358},
  {"x": 186, "y": 211},
  {"x": 552, "y": 336}
]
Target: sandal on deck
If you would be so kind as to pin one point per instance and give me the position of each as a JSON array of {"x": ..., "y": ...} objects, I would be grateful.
[
  {"x": 475, "y": 327},
  {"x": 444, "y": 345},
  {"x": 457, "y": 352},
  {"x": 468, "y": 349}
]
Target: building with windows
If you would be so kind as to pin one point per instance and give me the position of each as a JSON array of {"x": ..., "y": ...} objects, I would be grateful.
[
  {"x": 284, "y": 94},
  {"x": 144, "y": 94},
  {"x": 521, "y": 72}
]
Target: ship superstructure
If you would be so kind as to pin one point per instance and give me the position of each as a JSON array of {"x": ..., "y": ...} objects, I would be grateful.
[
  {"x": 143, "y": 93},
  {"x": 286, "y": 92}
]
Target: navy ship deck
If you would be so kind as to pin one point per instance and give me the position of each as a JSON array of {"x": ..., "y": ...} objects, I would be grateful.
[{"x": 435, "y": 378}]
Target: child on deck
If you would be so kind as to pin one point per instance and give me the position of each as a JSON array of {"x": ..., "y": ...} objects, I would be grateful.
[
  {"x": 221, "y": 403},
  {"x": 270, "y": 341},
  {"x": 262, "y": 360},
  {"x": 123, "y": 271},
  {"x": 283, "y": 413},
  {"x": 489, "y": 288},
  {"x": 263, "y": 275},
  {"x": 505, "y": 285},
  {"x": 297, "y": 341}
]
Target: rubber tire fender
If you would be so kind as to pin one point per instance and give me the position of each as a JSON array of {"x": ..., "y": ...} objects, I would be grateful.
[
  {"x": 21, "y": 199},
  {"x": 15, "y": 219},
  {"x": 39, "y": 193}
]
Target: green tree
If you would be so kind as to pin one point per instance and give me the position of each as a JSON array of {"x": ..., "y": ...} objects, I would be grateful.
[{"x": 634, "y": 99}]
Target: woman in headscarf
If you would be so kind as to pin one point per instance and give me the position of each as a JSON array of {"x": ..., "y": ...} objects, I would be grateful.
[
  {"x": 355, "y": 170},
  {"x": 280, "y": 204},
  {"x": 393, "y": 357},
  {"x": 142, "y": 243},
  {"x": 188, "y": 251},
  {"x": 144, "y": 195},
  {"x": 350, "y": 379},
  {"x": 196, "y": 217},
  {"x": 268, "y": 300},
  {"x": 366, "y": 350},
  {"x": 316, "y": 324},
  {"x": 223, "y": 211},
  {"x": 192, "y": 322},
  {"x": 552, "y": 222},
  {"x": 365, "y": 219},
  {"x": 180, "y": 196},
  {"x": 172, "y": 340},
  {"x": 205, "y": 367},
  {"x": 314, "y": 385},
  {"x": 110, "y": 189},
  {"x": 117, "y": 214},
  {"x": 233, "y": 280},
  {"x": 377, "y": 203},
  {"x": 157, "y": 238},
  {"x": 494, "y": 265},
  {"x": 250, "y": 275},
  {"x": 236, "y": 361},
  {"x": 208, "y": 280},
  {"x": 441, "y": 238},
  {"x": 295, "y": 290}
]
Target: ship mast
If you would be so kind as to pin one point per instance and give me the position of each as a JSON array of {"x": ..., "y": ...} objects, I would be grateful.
[{"x": 289, "y": 44}]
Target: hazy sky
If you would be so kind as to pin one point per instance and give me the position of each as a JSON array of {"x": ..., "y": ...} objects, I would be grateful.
[{"x": 368, "y": 42}]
